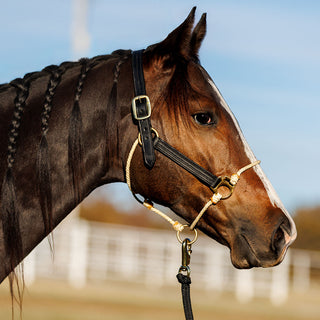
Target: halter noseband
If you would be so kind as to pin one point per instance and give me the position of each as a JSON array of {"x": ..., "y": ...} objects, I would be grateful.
[{"x": 150, "y": 141}]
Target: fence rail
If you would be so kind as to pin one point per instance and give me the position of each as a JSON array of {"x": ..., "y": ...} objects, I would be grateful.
[{"x": 88, "y": 252}]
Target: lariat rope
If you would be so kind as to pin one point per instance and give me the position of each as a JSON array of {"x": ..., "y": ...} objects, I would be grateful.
[{"x": 177, "y": 226}]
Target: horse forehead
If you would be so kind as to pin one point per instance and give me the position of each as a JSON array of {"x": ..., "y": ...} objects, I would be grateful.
[{"x": 198, "y": 78}]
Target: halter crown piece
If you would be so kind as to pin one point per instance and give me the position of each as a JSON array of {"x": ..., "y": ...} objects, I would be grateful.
[{"x": 150, "y": 141}]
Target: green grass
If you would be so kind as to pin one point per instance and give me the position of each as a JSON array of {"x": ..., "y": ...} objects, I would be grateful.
[{"x": 122, "y": 301}]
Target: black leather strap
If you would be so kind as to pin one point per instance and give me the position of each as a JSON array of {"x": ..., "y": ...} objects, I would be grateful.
[
  {"x": 138, "y": 77},
  {"x": 204, "y": 176},
  {"x": 142, "y": 110},
  {"x": 141, "y": 113},
  {"x": 186, "y": 298}
]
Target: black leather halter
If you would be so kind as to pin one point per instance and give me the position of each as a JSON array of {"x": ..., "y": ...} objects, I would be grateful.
[{"x": 141, "y": 110}]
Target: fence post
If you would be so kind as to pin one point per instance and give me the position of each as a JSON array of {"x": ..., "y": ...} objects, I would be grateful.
[
  {"x": 30, "y": 268},
  {"x": 173, "y": 259},
  {"x": 79, "y": 233},
  {"x": 280, "y": 282},
  {"x": 301, "y": 270},
  {"x": 154, "y": 272},
  {"x": 128, "y": 253},
  {"x": 214, "y": 268},
  {"x": 244, "y": 285}
]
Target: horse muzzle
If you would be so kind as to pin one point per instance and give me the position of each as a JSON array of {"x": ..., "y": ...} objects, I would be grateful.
[{"x": 253, "y": 248}]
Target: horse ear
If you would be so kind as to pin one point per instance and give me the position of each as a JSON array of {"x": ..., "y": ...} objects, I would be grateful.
[
  {"x": 198, "y": 35},
  {"x": 176, "y": 45},
  {"x": 178, "y": 41}
]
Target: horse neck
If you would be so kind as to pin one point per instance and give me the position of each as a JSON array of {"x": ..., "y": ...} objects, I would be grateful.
[{"x": 99, "y": 162}]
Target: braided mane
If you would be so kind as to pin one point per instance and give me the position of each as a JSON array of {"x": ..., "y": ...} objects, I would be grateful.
[{"x": 9, "y": 210}]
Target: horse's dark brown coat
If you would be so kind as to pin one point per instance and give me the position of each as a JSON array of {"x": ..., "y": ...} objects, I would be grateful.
[{"x": 83, "y": 141}]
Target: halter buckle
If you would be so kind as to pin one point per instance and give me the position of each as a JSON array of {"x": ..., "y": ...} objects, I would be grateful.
[
  {"x": 224, "y": 182},
  {"x": 134, "y": 107}
]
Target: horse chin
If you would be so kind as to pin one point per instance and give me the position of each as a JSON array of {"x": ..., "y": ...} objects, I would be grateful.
[
  {"x": 244, "y": 262},
  {"x": 242, "y": 255}
]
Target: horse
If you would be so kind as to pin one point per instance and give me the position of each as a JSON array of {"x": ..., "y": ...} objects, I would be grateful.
[{"x": 68, "y": 129}]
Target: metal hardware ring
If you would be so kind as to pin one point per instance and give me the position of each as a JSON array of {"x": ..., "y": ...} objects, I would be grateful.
[
  {"x": 152, "y": 130},
  {"x": 191, "y": 241},
  {"x": 225, "y": 182}
]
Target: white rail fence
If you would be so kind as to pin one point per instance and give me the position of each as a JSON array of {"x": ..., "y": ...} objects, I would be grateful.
[{"x": 91, "y": 252}]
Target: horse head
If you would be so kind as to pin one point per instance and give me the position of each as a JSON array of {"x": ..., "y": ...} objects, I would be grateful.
[
  {"x": 190, "y": 114},
  {"x": 77, "y": 117}
]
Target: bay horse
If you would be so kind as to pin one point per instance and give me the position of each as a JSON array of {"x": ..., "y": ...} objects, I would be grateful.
[{"x": 68, "y": 129}]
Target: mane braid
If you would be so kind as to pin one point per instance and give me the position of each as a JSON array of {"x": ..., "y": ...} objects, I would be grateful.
[
  {"x": 43, "y": 165},
  {"x": 112, "y": 101},
  {"x": 111, "y": 107},
  {"x": 66, "y": 65},
  {"x": 9, "y": 211},
  {"x": 75, "y": 145},
  {"x": 8, "y": 202}
]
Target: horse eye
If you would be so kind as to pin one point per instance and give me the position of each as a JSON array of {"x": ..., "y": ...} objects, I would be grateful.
[{"x": 203, "y": 118}]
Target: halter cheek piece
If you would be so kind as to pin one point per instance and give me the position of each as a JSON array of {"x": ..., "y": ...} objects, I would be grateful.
[{"x": 150, "y": 141}]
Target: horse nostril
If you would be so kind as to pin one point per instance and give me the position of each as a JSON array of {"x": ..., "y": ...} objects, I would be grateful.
[{"x": 279, "y": 241}]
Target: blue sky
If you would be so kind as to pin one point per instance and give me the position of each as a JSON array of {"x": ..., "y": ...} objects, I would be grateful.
[{"x": 263, "y": 55}]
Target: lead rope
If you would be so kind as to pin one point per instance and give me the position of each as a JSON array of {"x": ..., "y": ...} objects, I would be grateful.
[{"x": 184, "y": 279}]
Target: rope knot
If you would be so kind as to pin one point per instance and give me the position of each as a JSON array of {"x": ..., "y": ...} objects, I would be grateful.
[
  {"x": 148, "y": 204},
  {"x": 178, "y": 226},
  {"x": 216, "y": 198},
  {"x": 234, "y": 179},
  {"x": 183, "y": 279}
]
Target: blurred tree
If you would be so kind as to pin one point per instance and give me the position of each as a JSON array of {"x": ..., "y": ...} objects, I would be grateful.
[
  {"x": 100, "y": 210},
  {"x": 308, "y": 225}
]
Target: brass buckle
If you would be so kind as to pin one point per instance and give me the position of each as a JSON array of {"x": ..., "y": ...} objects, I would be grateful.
[
  {"x": 134, "y": 107},
  {"x": 225, "y": 182}
]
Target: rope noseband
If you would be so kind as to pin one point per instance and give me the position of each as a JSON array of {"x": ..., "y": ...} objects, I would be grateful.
[
  {"x": 216, "y": 197},
  {"x": 150, "y": 141}
]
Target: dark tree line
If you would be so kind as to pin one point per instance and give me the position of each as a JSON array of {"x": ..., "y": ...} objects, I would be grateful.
[
  {"x": 98, "y": 209},
  {"x": 308, "y": 225}
]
